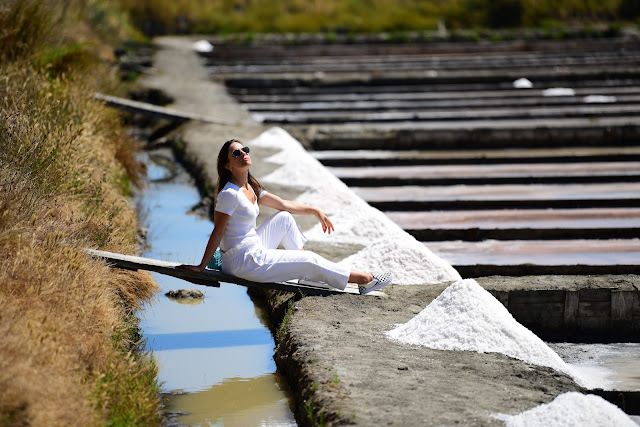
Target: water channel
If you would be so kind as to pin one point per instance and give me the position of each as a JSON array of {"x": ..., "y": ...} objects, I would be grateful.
[{"x": 215, "y": 355}]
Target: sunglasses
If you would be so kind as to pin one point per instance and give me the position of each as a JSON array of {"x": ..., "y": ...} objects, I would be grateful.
[{"x": 238, "y": 153}]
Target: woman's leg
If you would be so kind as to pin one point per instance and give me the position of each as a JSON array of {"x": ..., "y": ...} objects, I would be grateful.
[
  {"x": 279, "y": 228},
  {"x": 277, "y": 265}
]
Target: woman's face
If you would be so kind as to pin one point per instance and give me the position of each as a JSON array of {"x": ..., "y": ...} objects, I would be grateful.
[{"x": 241, "y": 159}]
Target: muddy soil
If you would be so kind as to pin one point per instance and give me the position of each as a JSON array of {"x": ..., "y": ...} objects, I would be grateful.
[{"x": 349, "y": 372}]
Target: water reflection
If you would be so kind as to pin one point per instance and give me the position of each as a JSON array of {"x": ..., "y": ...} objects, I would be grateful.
[
  {"x": 237, "y": 402},
  {"x": 197, "y": 370},
  {"x": 608, "y": 366},
  {"x": 210, "y": 339},
  {"x": 218, "y": 351}
]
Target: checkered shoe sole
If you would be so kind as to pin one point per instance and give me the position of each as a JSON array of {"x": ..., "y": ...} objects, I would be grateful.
[{"x": 379, "y": 281}]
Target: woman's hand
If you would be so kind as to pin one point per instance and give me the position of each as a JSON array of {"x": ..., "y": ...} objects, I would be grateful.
[
  {"x": 327, "y": 225},
  {"x": 195, "y": 268}
]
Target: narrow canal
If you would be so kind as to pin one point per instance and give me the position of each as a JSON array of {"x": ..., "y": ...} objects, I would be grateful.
[{"x": 215, "y": 355}]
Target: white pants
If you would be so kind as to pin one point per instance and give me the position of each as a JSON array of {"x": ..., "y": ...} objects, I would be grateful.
[{"x": 262, "y": 262}]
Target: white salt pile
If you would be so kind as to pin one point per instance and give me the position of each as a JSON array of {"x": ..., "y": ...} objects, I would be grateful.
[
  {"x": 409, "y": 260},
  {"x": 202, "y": 46},
  {"x": 387, "y": 246},
  {"x": 599, "y": 99},
  {"x": 358, "y": 223},
  {"x": 467, "y": 317},
  {"x": 522, "y": 83},
  {"x": 571, "y": 410},
  {"x": 558, "y": 91}
]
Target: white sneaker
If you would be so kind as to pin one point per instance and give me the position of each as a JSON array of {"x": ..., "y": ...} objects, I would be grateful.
[{"x": 379, "y": 280}]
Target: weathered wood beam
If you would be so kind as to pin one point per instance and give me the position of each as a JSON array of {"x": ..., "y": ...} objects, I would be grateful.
[
  {"x": 153, "y": 110},
  {"x": 214, "y": 277}
]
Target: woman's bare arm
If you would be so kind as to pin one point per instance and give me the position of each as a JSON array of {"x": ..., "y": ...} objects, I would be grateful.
[
  {"x": 220, "y": 223},
  {"x": 272, "y": 201}
]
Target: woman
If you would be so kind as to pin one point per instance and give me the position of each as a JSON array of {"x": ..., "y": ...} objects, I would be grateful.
[{"x": 251, "y": 253}]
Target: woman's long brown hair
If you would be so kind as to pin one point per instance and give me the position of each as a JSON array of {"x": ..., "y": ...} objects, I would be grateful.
[{"x": 224, "y": 174}]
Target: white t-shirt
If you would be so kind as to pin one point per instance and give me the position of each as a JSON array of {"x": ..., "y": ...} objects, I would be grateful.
[{"x": 241, "y": 227}]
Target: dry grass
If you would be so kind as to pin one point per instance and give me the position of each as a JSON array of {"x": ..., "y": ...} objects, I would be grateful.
[{"x": 68, "y": 342}]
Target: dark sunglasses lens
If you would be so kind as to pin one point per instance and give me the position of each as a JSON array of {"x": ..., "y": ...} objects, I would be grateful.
[{"x": 238, "y": 153}]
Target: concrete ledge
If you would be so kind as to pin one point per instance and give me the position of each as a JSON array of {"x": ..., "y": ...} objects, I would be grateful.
[{"x": 343, "y": 370}]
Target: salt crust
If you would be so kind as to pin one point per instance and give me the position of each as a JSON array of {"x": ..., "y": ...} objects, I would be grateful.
[
  {"x": 467, "y": 317},
  {"x": 559, "y": 91},
  {"x": 570, "y": 410},
  {"x": 387, "y": 246},
  {"x": 522, "y": 83},
  {"x": 599, "y": 99}
]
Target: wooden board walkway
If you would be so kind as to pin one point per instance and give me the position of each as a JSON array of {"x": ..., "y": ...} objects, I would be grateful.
[
  {"x": 154, "y": 110},
  {"x": 214, "y": 277}
]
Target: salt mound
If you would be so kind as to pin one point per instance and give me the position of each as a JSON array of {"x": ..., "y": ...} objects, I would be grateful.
[
  {"x": 559, "y": 91},
  {"x": 599, "y": 99},
  {"x": 571, "y": 410},
  {"x": 276, "y": 138},
  {"x": 467, "y": 317},
  {"x": 202, "y": 46},
  {"x": 331, "y": 200},
  {"x": 409, "y": 260},
  {"x": 357, "y": 223},
  {"x": 387, "y": 245},
  {"x": 522, "y": 83}
]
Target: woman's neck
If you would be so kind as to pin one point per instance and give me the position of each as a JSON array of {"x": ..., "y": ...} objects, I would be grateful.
[{"x": 240, "y": 179}]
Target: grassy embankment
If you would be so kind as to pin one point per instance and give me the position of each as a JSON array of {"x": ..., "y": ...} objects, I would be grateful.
[
  {"x": 68, "y": 339},
  {"x": 254, "y": 16}
]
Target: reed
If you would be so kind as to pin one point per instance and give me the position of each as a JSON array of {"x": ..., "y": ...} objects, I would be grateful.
[{"x": 69, "y": 351}]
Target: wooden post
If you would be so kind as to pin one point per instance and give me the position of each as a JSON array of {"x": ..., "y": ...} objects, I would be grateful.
[{"x": 571, "y": 303}]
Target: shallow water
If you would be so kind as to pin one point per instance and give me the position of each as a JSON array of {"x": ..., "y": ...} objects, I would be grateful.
[
  {"x": 215, "y": 356},
  {"x": 608, "y": 366}
]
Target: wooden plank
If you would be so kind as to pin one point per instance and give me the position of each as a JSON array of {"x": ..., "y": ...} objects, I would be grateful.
[
  {"x": 154, "y": 110},
  {"x": 363, "y": 157},
  {"x": 450, "y": 115},
  {"x": 418, "y": 104},
  {"x": 540, "y": 252},
  {"x": 531, "y": 297},
  {"x": 622, "y": 310},
  {"x": 549, "y": 173},
  {"x": 495, "y": 193},
  {"x": 214, "y": 277},
  {"x": 571, "y": 302},
  {"x": 511, "y": 219},
  {"x": 416, "y": 92},
  {"x": 595, "y": 295}
]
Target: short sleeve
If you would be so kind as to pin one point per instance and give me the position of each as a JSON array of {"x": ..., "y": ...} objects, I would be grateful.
[
  {"x": 226, "y": 202},
  {"x": 263, "y": 192}
]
